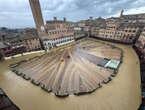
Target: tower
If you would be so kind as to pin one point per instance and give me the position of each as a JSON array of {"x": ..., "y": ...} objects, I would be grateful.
[
  {"x": 121, "y": 14},
  {"x": 91, "y": 18},
  {"x": 37, "y": 15}
]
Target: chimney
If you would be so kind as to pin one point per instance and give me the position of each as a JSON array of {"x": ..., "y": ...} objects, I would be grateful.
[
  {"x": 55, "y": 18},
  {"x": 64, "y": 19}
]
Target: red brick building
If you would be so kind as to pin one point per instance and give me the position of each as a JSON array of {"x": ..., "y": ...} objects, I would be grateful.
[
  {"x": 140, "y": 46},
  {"x": 123, "y": 29},
  {"x": 12, "y": 48},
  {"x": 31, "y": 42},
  {"x": 2, "y": 50},
  {"x": 53, "y": 33},
  {"x": 58, "y": 32}
]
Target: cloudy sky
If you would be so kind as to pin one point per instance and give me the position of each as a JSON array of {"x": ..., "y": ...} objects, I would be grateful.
[{"x": 17, "y": 13}]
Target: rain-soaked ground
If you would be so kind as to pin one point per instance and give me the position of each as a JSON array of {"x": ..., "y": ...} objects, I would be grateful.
[{"x": 122, "y": 93}]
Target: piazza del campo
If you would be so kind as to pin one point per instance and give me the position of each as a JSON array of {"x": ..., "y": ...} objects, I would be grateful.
[{"x": 94, "y": 64}]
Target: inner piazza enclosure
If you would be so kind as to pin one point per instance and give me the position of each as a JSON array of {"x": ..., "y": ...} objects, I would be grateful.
[{"x": 76, "y": 69}]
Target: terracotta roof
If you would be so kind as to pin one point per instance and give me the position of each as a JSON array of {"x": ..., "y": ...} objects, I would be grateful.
[
  {"x": 27, "y": 36},
  {"x": 134, "y": 16},
  {"x": 52, "y": 21}
]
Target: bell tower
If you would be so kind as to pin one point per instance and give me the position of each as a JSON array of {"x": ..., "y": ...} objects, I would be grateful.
[
  {"x": 121, "y": 14},
  {"x": 38, "y": 18}
]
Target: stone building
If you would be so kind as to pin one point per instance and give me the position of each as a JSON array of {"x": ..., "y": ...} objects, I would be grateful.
[
  {"x": 54, "y": 32},
  {"x": 121, "y": 29},
  {"x": 79, "y": 33},
  {"x": 95, "y": 31},
  {"x": 92, "y": 26},
  {"x": 31, "y": 31},
  {"x": 81, "y": 24},
  {"x": 59, "y": 32},
  {"x": 126, "y": 33},
  {"x": 140, "y": 44},
  {"x": 132, "y": 17},
  {"x": 101, "y": 33},
  {"x": 31, "y": 42},
  {"x": 13, "y": 47},
  {"x": 2, "y": 50},
  {"x": 58, "y": 28},
  {"x": 2, "y": 37},
  {"x": 24, "y": 42},
  {"x": 113, "y": 23},
  {"x": 108, "y": 32}
]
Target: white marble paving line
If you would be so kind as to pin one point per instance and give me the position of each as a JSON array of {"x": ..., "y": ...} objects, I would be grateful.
[{"x": 23, "y": 54}]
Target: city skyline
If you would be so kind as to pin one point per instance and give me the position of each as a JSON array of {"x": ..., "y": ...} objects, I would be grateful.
[
  {"x": 81, "y": 54},
  {"x": 73, "y": 10}
]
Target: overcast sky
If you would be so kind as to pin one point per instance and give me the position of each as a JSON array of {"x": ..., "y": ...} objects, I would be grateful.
[{"x": 17, "y": 13}]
